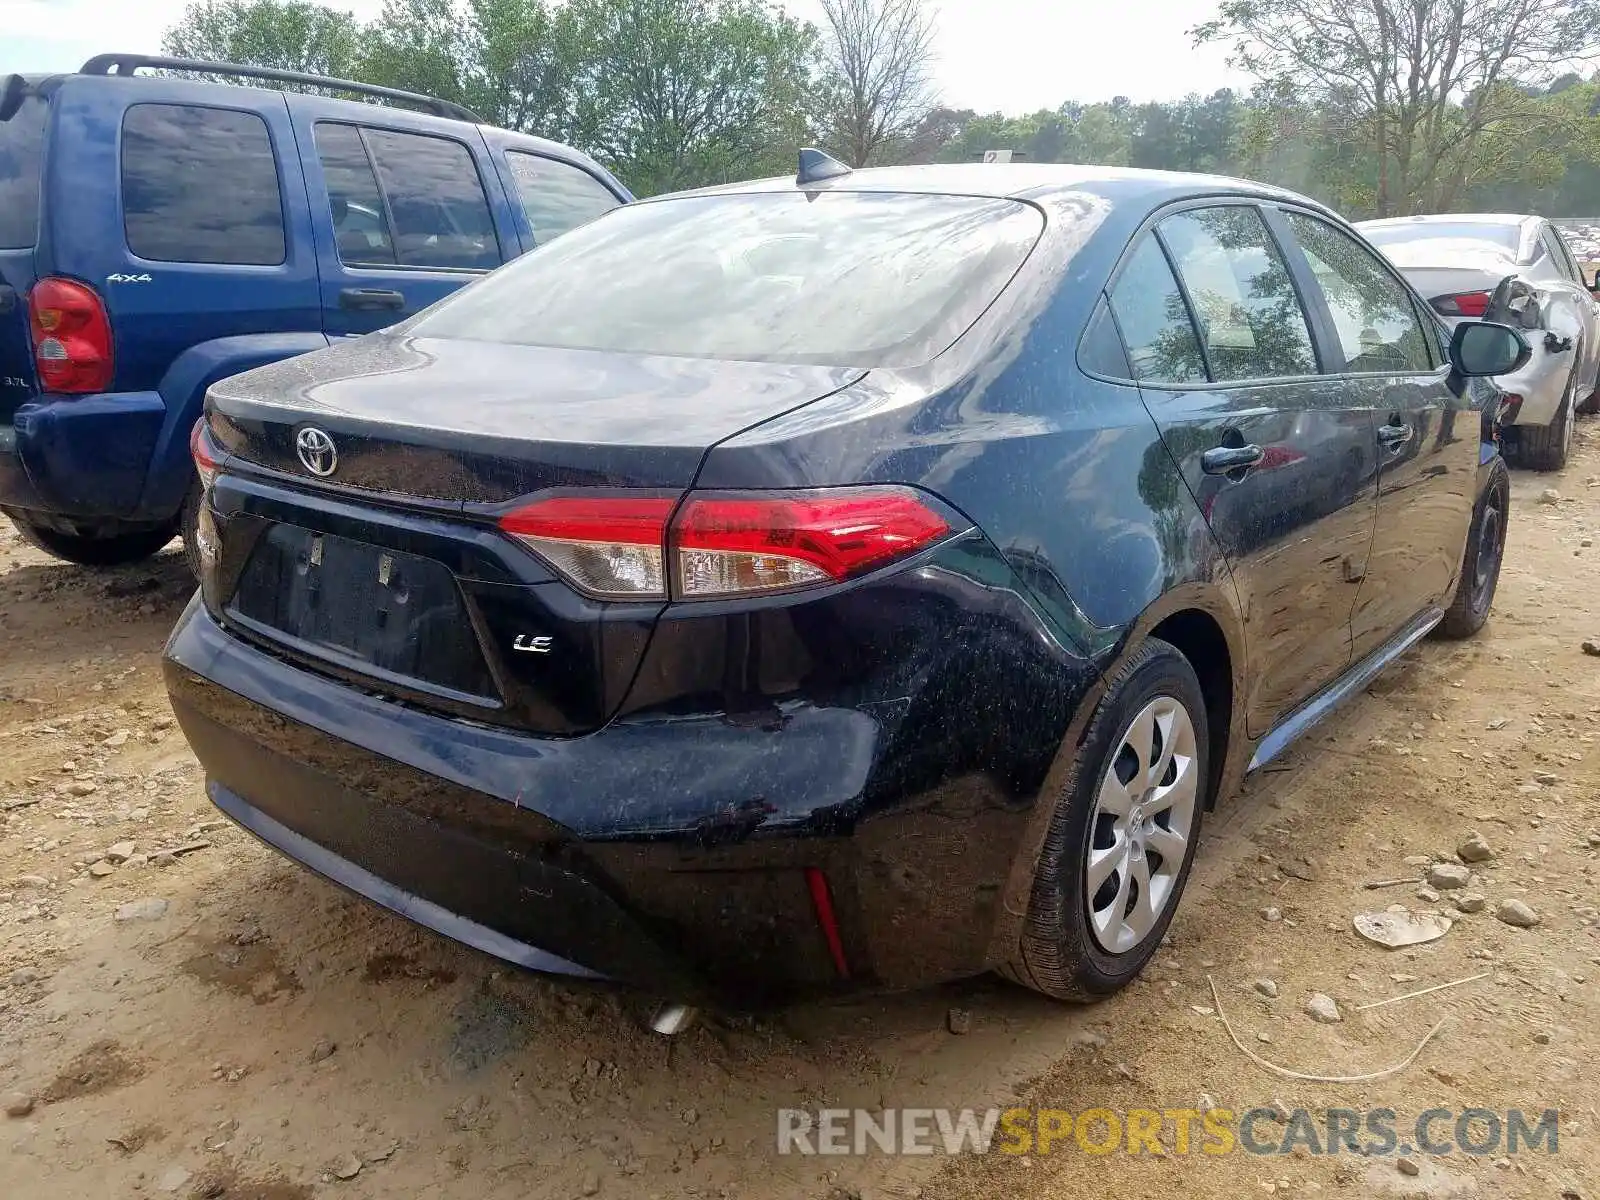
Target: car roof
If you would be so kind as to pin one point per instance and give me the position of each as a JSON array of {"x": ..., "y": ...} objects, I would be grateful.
[{"x": 1022, "y": 181}]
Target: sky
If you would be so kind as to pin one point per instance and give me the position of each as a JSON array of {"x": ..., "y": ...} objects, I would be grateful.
[{"x": 1011, "y": 56}]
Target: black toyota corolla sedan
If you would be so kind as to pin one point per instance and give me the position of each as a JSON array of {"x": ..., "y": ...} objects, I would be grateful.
[{"x": 852, "y": 580}]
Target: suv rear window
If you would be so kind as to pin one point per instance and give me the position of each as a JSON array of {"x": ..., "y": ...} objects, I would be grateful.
[
  {"x": 21, "y": 147},
  {"x": 200, "y": 185},
  {"x": 846, "y": 278}
]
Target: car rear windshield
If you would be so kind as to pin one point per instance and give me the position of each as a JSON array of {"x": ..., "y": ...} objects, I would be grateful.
[
  {"x": 837, "y": 278},
  {"x": 21, "y": 147},
  {"x": 1507, "y": 237}
]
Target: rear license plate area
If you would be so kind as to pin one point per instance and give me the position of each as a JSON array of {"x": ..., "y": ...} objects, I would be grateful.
[{"x": 388, "y": 614}]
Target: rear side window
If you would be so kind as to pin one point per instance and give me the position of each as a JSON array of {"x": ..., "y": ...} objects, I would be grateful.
[
  {"x": 1154, "y": 320},
  {"x": 557, "y": 196},
  {"x": 1372, "y": 312},
  {"x": 200, "y": 185},
  {"x": 837, "y": 278},
  {"x": 1250, "y": 320},
  {"x": 21, "y": 148}
]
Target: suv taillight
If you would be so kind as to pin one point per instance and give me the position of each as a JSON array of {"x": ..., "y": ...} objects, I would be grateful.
[
  {"x": 71, "y": 337},
  {"x": 724, "y": 543}
]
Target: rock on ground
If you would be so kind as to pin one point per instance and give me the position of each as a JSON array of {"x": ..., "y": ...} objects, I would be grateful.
[
  {"x": 1322, "y": 1009},
  {"x": 1515, "y": 912},
  {"x": 1474, "y": 849}
]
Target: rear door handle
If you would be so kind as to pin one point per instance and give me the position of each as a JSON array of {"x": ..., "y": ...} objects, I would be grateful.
[
  {"x": 1231, "y": 460},
  {"x": 8, "y": 298},
  {"x": 1394, "y": 434},
  {"x": 371, "y": 299}
]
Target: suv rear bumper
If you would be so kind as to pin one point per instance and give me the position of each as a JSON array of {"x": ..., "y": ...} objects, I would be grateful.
[{"x": 82, "y": 457}]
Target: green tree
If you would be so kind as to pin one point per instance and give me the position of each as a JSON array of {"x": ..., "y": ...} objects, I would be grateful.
[
  {"x": 681, "y": 93},
  {"x": 290, "y": 35},
  {"x": 1427, "y": 84},
  {"x": 876, "y": 82}
]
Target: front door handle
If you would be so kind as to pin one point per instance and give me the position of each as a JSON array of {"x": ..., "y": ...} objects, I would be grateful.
[
  {"x": 1233, "y": 461},
  {"x": 371, "y": 299},
  {"x": 1395, "y": 434}
]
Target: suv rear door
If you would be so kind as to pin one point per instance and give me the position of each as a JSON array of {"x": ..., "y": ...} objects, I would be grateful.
[
  {"x": 407, "y": 209},
  {"x": 22, "y": 130}
]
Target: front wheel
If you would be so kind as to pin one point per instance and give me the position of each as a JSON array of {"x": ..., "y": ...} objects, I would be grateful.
[
  {"x": 1122, "y": 838},
  {"x": 110, "y": 550},
  {"x": 1480, "y": 564}
]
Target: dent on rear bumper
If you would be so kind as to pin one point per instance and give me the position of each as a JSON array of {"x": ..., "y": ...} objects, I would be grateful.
[{"x": 687, "y": 832}]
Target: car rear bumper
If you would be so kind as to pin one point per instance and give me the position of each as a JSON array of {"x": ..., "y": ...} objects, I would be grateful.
[
  {"x": 81, "y": 457},
  {"x": 676, "y": 854}
]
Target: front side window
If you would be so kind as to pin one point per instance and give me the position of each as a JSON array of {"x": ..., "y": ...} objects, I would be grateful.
[
  {"x": 1249, "y": 317},
  {"x": 835, "y": 278},
  {"x": 1372, "y": 312},
  {"x": 405, "y": 199},
  {"x": 557, "y": 196},
  {"x": 200, "y": 185},
  {"x": 1156, "y": 328},
  {"x": 437, "y": 206}
]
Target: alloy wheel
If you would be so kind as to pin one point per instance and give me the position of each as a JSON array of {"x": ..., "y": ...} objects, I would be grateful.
[{"x": 1139, "y": 833}]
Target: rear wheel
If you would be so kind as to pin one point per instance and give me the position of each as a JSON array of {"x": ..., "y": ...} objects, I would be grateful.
[
  {"x": 1480, "y": 564},
  {"x": 1545, "y": 447},
  {"x": 1122, "y": 838},
  {"x": 107, "y": 550}
]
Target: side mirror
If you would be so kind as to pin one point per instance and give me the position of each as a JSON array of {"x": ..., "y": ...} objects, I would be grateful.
[
  {"x": 1595, "y": 286},
  {"x": 1483, "y": 348}
]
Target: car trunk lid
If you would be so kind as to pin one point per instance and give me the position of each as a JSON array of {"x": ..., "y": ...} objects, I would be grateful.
[
  {"x": 483, "y": 423},
  {"x": 382, "y": 565}
]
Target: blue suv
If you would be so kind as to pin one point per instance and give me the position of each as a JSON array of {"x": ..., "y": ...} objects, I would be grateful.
[{"x": 159, "y": 233}]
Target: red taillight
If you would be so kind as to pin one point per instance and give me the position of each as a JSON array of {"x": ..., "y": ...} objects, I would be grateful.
[
  {"x": 71, "y": 336},
  {"x": 724, "y": 544},
  {"x": 607, "y": 545},
  {"x": 1463, "y": 304},
  {"x": 733, "y": 544},
  {"x": 205, "y": 461}
]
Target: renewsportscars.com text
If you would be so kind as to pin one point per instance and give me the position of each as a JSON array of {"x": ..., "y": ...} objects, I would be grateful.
[{"x": 1213, "y": 1131}]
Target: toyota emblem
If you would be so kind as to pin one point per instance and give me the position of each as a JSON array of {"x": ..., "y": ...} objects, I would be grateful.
[{"x": 316, "y": 451}]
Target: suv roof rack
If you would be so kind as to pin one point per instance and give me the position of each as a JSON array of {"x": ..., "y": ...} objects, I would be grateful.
[{"x": 127, "y": 64}]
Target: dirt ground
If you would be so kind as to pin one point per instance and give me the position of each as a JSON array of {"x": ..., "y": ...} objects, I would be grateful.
[{"x": 204, "y": 1019}]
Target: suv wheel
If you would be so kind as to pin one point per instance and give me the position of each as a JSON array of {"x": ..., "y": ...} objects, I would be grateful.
[
  {"x": 114, "y": 550},
  {"x": 1122, "y": 839},
  {"x": 1480, "y": 564},
  {"x": 1545, "y": 447}
]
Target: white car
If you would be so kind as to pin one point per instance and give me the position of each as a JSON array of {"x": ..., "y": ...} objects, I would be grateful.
[{"x": 1519, "y": 270}]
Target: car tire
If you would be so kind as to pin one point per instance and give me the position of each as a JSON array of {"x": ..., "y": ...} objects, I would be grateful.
[
  {"x": 113, "y": 550},
  {"x": 1480, "y": 562},
  {"x": 1076, "y": 945},
  {"x": 1545, "y": 447}
]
